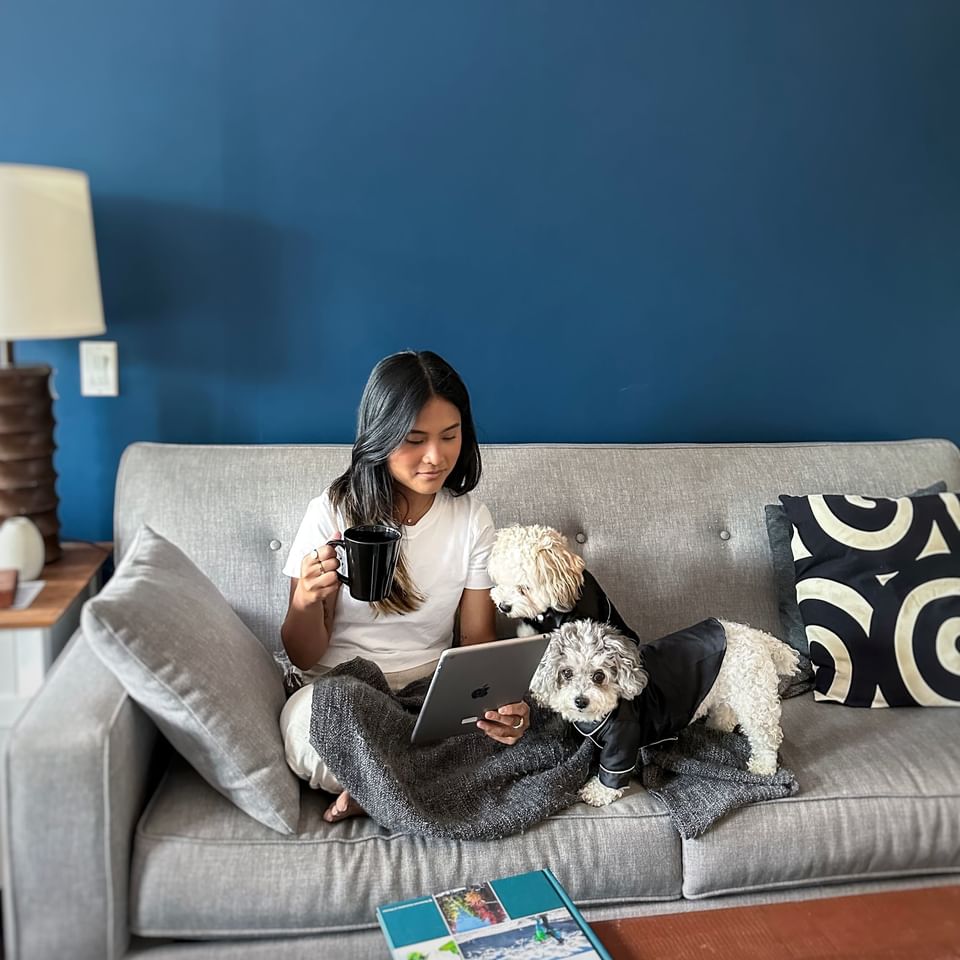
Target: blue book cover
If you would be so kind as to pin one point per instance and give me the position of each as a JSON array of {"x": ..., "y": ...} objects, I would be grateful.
[{"x": 525, "y": 917}]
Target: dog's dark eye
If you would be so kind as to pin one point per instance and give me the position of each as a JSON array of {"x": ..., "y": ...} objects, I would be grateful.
[
  {"x": 566, "y": 674},
  {"x": 522, "y": 590},
  {"x": 599, "y": 677}
]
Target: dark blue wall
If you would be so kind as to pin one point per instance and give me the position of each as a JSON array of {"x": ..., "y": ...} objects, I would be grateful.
[{"x": 622, "y": 221}]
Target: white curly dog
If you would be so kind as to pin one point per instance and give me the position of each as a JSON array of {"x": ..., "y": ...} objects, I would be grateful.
[
  {"x": 624, "y": 695},
  {"x": 541, "y": 582}
]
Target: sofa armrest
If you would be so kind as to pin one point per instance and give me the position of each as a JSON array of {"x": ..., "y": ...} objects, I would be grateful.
[{"x": 77, "y": 768}]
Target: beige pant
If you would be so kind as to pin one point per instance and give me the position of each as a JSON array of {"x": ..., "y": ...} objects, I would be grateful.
[{"x": 302, "y": 758}]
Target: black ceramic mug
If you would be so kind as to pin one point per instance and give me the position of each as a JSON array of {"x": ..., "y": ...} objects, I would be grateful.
[{"x": 372, "y": 551}]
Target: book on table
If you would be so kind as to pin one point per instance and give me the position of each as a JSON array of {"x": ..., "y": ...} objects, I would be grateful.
[{"x": 525, "y": 917}]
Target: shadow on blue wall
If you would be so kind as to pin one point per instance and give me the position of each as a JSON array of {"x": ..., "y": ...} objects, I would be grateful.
[
  {"x": 193, "y": 297},
  {"x": 196, "y": 296}
]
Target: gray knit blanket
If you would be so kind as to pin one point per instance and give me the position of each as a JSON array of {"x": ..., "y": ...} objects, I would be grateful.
[
  {"x": 473, "y": 788},
  {"x": 464, "y": 788}
]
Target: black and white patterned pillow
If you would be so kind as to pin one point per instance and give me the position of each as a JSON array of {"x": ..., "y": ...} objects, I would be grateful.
[
  {"x": 780, "y": 533},
  {"x": 878, "y": 585}
]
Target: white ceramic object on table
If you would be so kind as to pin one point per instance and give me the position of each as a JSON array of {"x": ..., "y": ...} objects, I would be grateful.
[{"x": 21, "y": 547}]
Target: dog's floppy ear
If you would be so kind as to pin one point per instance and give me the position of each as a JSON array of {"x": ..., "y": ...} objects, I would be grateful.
[
  {"x": 630, "y": 677},
  {"x": 560, "y": 570},
  {"x": 544, "y": 681}
]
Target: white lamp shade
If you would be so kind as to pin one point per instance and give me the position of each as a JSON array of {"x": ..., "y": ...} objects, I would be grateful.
[{"x": 49, "y": 281}]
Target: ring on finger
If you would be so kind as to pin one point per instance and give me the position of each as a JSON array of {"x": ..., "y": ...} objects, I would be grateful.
[
  {"x": 321, "y": 567},
  {"x": 519, "y": 724}
]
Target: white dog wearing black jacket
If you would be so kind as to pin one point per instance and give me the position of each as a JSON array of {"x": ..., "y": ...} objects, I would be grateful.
[{"x": 625, "y": 695}]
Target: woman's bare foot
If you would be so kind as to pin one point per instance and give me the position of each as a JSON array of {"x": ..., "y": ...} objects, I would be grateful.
[{"x": 341, "y": 808}]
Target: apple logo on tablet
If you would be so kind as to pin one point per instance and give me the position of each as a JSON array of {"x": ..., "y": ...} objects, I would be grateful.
[{"x": 481, "y": 691}]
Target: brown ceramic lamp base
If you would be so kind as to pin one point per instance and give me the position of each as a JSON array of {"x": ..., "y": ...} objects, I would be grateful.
[{"x": 27, "y": 477}]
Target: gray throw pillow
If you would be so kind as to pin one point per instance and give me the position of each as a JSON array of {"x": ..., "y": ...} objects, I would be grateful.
[
  {"x": 207, "y": 682},
  {"x": 780, "y": 533}
]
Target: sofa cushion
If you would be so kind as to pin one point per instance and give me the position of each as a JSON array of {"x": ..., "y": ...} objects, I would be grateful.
[
  {"x": 879, "y": 797},
  {"x": 878, "y": 584},
  {"x": 206, "y": 681},
  {"x": 202, "y": 869}
]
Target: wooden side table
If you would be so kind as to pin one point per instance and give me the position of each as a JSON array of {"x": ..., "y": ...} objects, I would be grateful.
[{"x": 31, "y": 639}]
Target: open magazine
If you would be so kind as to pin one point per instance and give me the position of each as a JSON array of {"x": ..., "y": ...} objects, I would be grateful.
[{"x": 525, "y": 917}]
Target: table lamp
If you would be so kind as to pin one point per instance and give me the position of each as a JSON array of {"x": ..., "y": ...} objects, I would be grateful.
[{"x": 49, "y": 288}]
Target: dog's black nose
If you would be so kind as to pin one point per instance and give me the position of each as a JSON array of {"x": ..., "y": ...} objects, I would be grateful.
[
  {"x": 581, "y": 703},
  {"x": 504, "y": 607}
]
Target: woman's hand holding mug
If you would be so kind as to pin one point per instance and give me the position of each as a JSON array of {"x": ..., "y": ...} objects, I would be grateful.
[{"x": 318, "y": 575}]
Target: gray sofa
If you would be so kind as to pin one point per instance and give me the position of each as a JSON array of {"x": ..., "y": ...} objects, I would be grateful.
[{"x": 115, "y": 848}]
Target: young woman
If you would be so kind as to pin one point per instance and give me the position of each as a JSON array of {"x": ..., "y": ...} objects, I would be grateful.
[{"x": 414, "y": 463}]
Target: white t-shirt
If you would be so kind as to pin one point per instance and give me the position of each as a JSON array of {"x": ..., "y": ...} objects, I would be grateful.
[{"x": 446, "y": 553}]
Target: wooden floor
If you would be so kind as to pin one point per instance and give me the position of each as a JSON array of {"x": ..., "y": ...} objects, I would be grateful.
[{"x": 905, "y": 925}]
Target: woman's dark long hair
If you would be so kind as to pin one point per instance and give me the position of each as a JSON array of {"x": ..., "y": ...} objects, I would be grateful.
[{"x": 399, "y": 387}]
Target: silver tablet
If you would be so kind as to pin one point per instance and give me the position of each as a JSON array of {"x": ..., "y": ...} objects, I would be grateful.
[{"x": 471, "y": 680}]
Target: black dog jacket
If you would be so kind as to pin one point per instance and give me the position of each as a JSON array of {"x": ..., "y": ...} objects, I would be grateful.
[
  {"x": 682, "y": 667},
  {"x": 593, "y": 604}
]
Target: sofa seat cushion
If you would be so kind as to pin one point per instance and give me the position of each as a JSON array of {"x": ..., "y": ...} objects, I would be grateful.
[
  {"x": 879, "y": 797},
  {"x": 203, "y": 869}
]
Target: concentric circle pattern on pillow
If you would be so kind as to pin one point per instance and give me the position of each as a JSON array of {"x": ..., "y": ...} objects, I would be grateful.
[{"x": 878, "y": 585}]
